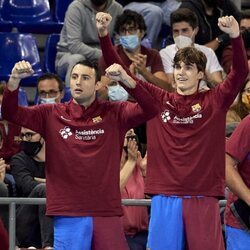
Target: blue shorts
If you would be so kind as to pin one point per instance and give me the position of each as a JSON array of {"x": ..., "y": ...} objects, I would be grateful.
[
  {"x": 189, "y": 222},
  {"x": 237, "y": 239},
  {"x": 86, "y": 233}
]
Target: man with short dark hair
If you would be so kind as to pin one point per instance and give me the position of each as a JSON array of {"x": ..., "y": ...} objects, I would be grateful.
[
  {"x": 183, "y": 179},
  {"x": 50, "y": 88},
  {"x": 83, "y": 153},
  {"x": 184, "y": 25}
]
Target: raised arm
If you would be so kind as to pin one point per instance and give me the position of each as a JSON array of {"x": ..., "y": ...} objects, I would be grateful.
[
  {"x": 110, "y": 56},
  {"x": 236, "y": 78}
]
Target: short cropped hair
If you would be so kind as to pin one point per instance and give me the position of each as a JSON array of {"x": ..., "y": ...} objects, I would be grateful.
[
  {"x": 191, "y": 55},
  {"x": 130, "y": 17},
  {"x": 184, "y": 15},
  {"x": 51, "y": 76},
  {"x": 92, "y": 65}
]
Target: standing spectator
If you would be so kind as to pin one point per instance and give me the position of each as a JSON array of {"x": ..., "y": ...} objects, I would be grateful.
[
  {"x": 226, "y": 60},
  {"x": 155, "y": 14},
  {"x": 78, "y": 39},
  {"x": 208, "y": 12},
  {"x": 28, "y": 170},
  {"x": 184, "y": 180},
  {"x": 82, "y": 166},
  {"x": 50, "y": 88},
  {"x": 238, "y": 181},
  {"x": 241, "y": 108},
  {"x": 184, "y": 25}
]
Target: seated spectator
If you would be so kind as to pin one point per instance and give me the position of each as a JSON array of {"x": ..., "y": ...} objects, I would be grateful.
[
  {"x": 208, "y": 13},
  {"x": 238, "y": 180},
  {"x": 144, "y": 62},
  {"x": 28, "y": 169},
  {"x": 50, "y": 88},
  {"x": 184, "y": 25},
  {"x": 227, "y": 55},
  {"x": 132, "y": 173},
  {"x": 241, "y": 108},
  {"x": 79, "y": 40},
  {"x": 155, "y": 14}
]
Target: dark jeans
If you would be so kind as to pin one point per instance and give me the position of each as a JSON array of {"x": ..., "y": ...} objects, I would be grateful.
[
  {"x": 29, "y": 216},
  {"x": 4, "y": 209},
  {"x": 138, "y": 241}
]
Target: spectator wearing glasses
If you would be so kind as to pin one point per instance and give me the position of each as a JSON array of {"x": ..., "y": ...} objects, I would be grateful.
[
  {"x": 28, "y": 170},
  {"x": 50, "y": 88},
  {"x": 241, "y": 108}
]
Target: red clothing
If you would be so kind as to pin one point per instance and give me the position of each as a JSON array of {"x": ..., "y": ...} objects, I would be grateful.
[
  {"x": 186, "y": 142},
  {"x": 83, "y": 149},
  {"x": 226, "y": 59},
  {"x": 153, "y": 63},
  {"x": 135, "y": 218},
  {"x": 4, "y": 239},
  {"x": 10, "y": 147},
  {"x": 238, "y": 146}
]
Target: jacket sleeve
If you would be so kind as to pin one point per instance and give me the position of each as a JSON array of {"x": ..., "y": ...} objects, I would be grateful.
[
  {"x": 110, "y": 56},
  {"x": 24, "y": 116},
  {"x": 227, "y": 91}
]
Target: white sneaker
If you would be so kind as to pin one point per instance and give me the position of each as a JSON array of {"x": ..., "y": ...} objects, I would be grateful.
[{"x": 32, "y": 248}]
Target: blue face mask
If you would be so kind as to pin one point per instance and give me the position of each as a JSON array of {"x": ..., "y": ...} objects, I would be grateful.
[
  {"x": 130, "y": 42},
  {"x": 117, "y": 93},
  {"x": 48, "y": 100}
]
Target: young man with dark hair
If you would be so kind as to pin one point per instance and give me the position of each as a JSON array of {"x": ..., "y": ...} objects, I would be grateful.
[
  {"x": 83, "y": 153},
  {"x": 184, "y": 25},
  {"x": 184, "y": 180}
]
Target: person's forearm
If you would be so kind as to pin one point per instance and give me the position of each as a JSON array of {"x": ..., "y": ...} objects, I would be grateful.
[
  {"x": 126, "y": 172},
  {"x": 13, "y": 83},
  {"x": 235, "y": 182},
  {"x": 40, "y": 180}
]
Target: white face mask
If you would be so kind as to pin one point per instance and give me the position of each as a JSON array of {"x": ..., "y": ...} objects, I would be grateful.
[
  {"x": 183, "y": 41},
  {"x": 48, "y": 100},
  {"x": 117, "y": 93}
]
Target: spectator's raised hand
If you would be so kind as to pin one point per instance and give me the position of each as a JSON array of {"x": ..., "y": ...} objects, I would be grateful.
[
  {"x": 229, "y": 25},
  {"x": 20, "y": 70},
  {"x": 115, "y": 72},
  {"x": 102, "y": 23}
]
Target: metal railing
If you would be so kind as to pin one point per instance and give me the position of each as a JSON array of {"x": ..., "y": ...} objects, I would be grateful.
[{"x": 41, "y": 201}]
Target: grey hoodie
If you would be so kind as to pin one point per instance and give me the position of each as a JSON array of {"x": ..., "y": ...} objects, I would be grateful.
[{"x": 79, "y": 34}]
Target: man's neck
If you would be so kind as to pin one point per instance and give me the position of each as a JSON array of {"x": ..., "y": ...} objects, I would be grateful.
[{"x": 100, "y": 8}]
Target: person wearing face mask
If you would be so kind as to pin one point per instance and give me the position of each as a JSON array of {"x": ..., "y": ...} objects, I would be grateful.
[
  {"x": 184, "y": 25},
  {"x": 226, "y": 60},
  {"x": 241, "y": 108},
  {"x": 33, "y": 227},
  {"x": 50, "y": 89},
  {"x": 208, "y": 12},
  {"x": 78, "y": 38}
]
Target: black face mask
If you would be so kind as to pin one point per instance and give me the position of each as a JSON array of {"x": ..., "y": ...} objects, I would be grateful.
[
  {"x": 212, "y": 3},
  {"x": 246, "y": 38},
  {"x": 31, "y": 148},
  {"x": 98, "y": 2}
]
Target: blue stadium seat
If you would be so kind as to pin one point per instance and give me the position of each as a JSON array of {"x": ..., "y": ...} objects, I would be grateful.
[
  {"x": 50, "y": 53},
  {"x": 22, "y": 97},
  {"x": 61, "y": 7},
  {"x": 5, "y": 26},
  {"x": 32, "y": 16},
  {"x": 15, "y": 47}
]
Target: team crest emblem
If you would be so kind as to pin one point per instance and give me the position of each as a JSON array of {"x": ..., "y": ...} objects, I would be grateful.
[
  {"x": 196, "y": 108},
  {"x": 97, "y": 119}
]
